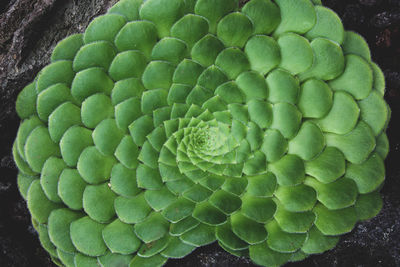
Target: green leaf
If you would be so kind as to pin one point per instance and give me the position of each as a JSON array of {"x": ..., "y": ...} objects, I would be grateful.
[
  {"x": 328, "y": 25},
  {"x": 62, "y": 118},
  {"x": 155, "y": 261},
  {"x": 235, "y": 185},
  {"x": 289, "y": 170},
  {"x": 120, "y": 238},
  {"x": 127, "y": 112},
  {"x": 281, "y": 241},
  {"x": 283, "y": 87},
  {"x": 93, "y": 166},
  {"x": 49, "y": 99},
  {"x": 374, "y": 112},
  {"x": 25, "y": 129},
  {"x": 262, "y": 185},
  {"x": 225, "y": 201},
  {"x": 131, "y": 210},
  {"x": 225, "y": 235},
  {"x": 297, "y": 17},
  {"x": 107, "y": 136},
  {"x": 368, "y": 205},
  {"x": 327, "y": 166},
  {"x": 176, "y": 249},
  {"x": 214, "y": 10},
  {"x": 297, "y": 198},
  {"x": 317, "y": 242},
  {"x": 86, "y": 235},
  {"x": 24, "y": 182},
  {"x": 66, "y": 258},
  {"x": 336, "y": 195},
  {"x": 164, "y": 13},
  {"x": 96, "y": 54},
  {"x": 140, "y": 128},
  {"x": 158, "y": 74},
  {"x": 356, "y": 44},
  {"x": 98, "y": 202},
  {"x": 104, "y": 28},
  {"x": 170, "y": 49},
  {"x": 335, "y": 222},
  {"x": 287, "y": 119},
  {"x": 153, "y": 99},
  {"x": 356, "y": 79},
  {"x": 49, "y": 176},
  {"x": 70, "y": 188},
  {"x": 89, "y": 82},
  {"x": 296, "y": 53},
  {"x": 264, "y": 14},
  {"x": 262, "y": 254},
  {"x": 45, "y": 240},
  {"x": 153, "y": 248},
  {"x": 234, "y": 29},
  {"x": 123, "y": 181},
  {"x": 95, "y": 109},
  {"x": 308, "y": 142},
  {"x": 57, "y": 72},
  {"x": 233, "y": 62},
  {"x": 127, "y": 152},
  {"x": 205, "y": 213},
  {"x": 152, "y": 228},
  {"x": 259, "y": 209},
  {"x": 247, "y": 229},
  {"x": 39, "y": 147},
  {"x": 206, "y": 50},
  {"x": 178, "y": 210},
  {"x": 67, "y": 48},
  {"x": 343, "y": 116},
  {"x": 253, "y": 86},
  {"x": 190, "y": 28},
  {"x": 361, "y": 135},
  {"x": 186, "y": 73},
  {"x": 148, "y": 178},
  {"x": 294, "y": 222},
  {"x": 137, "y": 35},
  {"x": 263, "y": 53},
  {"x": 84, "y": 261},
  {"x": 59, "y": 228},
  {"x": 114, "y": 259},
  {"x": 328, "y": 63},
  {"x": 127, "y": 8},
  {"x": 25, "y": 104},
  {"x": 274, "y": 145},
  {"x": 368, "y": 175},
  {"x": 159, "y": 199},
  {"x": 126, "y": 89},
  {"x": 73, "y": 142},
  {"x": 315, "y": 99},
  {"x": 127, "y": 64},
  {"x": 39, "y": 205},
  {"x": 201, "y": 235}
]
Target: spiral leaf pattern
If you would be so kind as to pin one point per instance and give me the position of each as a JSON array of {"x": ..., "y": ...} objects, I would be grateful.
[{"x": 170, "y": 124}]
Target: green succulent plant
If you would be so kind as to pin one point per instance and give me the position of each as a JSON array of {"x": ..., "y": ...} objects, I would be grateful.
[{"x": 172, "y": 124}]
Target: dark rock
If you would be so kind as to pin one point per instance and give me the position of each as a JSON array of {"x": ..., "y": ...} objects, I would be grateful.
[
  {"x": 7, "y": 162},
  {"x": 369, "y": 2},
  {"x": 385, "y": 19},
  {"x": 353, "y": 15},
  {"x": 392, "y": 79},
  {"x": 4, "y": 187}
]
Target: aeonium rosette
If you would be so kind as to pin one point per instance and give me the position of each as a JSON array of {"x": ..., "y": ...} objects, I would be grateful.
[{"x": 171, "y": 124}]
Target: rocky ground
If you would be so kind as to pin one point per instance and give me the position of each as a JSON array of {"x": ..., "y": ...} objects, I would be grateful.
[{"x": 29, "y": 29}]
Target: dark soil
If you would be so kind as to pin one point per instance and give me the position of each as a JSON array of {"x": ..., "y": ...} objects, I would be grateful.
[{"x": 29, "y": 30}]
